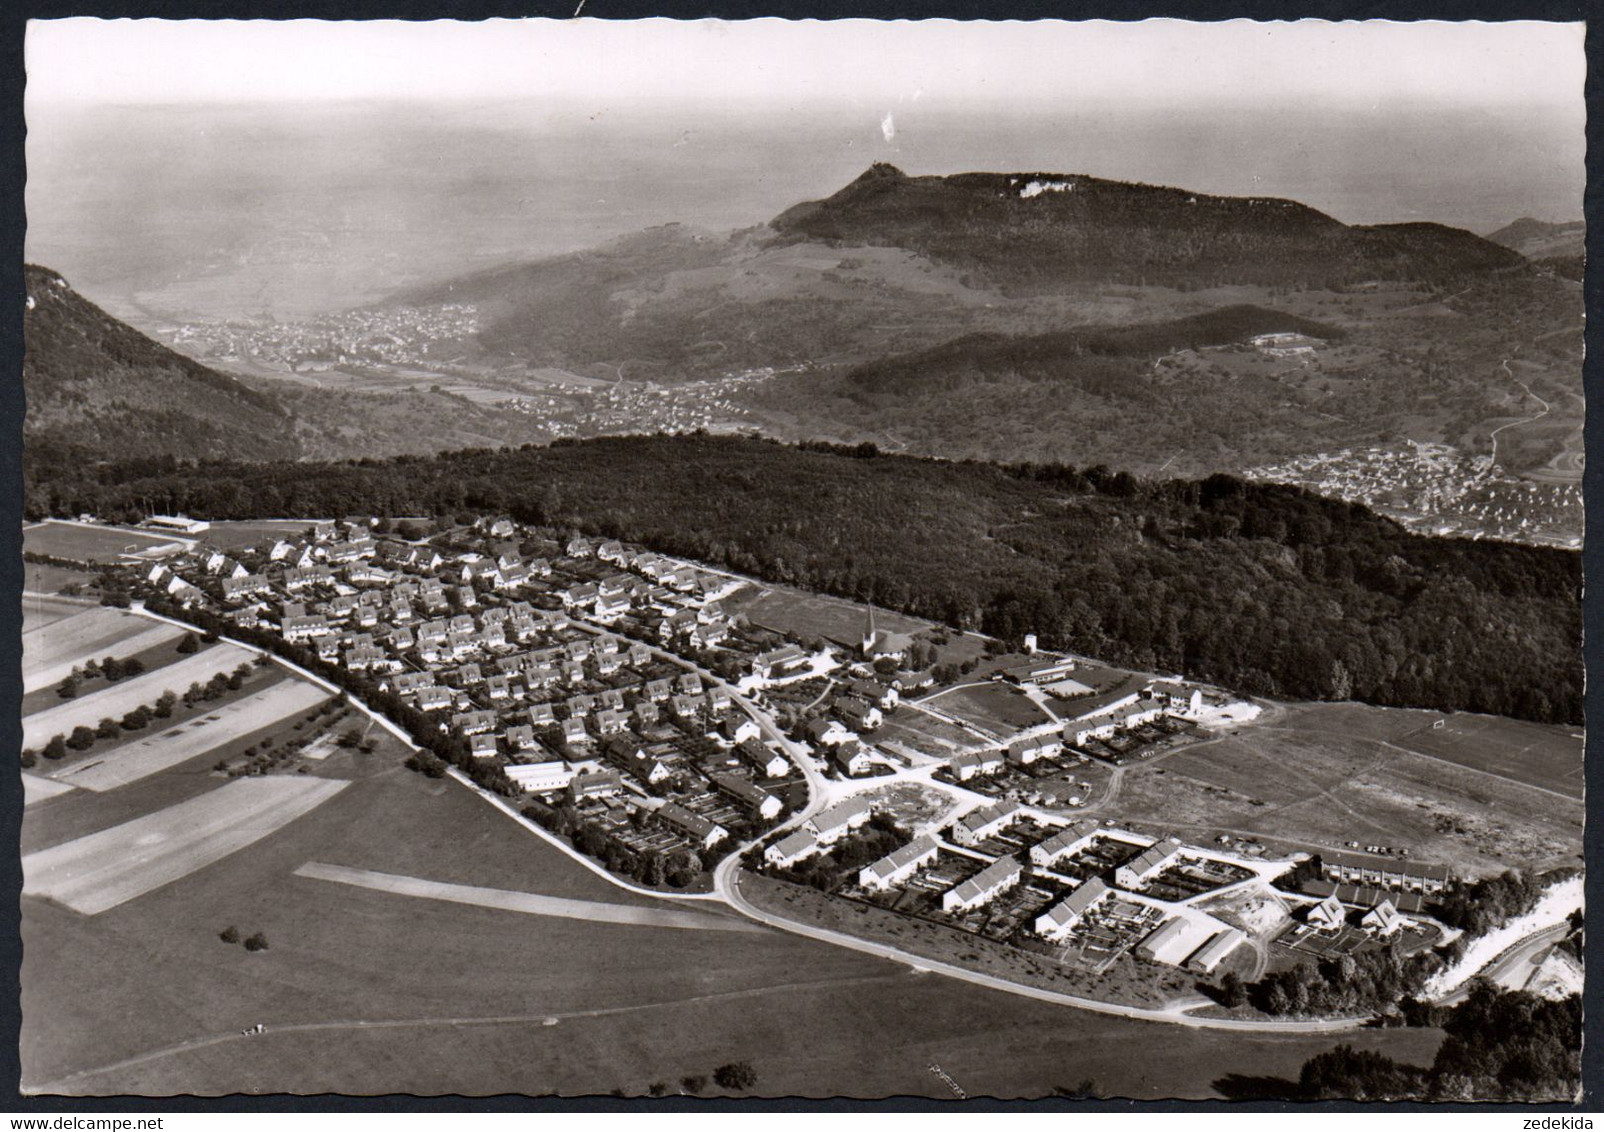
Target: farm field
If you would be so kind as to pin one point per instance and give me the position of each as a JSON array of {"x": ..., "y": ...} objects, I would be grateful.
[
  {"x": 528, "y": 903},
  {"x": 355, "y": 998},
  {"x": 93, "y": 544},
  {"x": 129, "y": 636},
  {"x": 991, "y": 707},
  {"x": 36, "y": 789},
  {"x": 91, "y": 874},
  {"x": 116, "y": 700},
  {"x": 80, "y": 634},
  {"x": 37, "y": 612},
  {"x": 151, "y": 754},
  {"x": 1314, "y": 775}
]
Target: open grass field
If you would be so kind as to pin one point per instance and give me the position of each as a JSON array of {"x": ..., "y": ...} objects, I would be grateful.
[
  {"x": 93, "y": 544},
  {"x": 915, "y": 730},
  {"x": 127, "y": 636},
  {"x": 193, "y": 739},
  {"x": 356, "y": 997},
  {"x": 117, "y": 699},
  {"x": 1546, "y": 756},
  {"x": 1322, "y": 775},
  {"x": 997, "y": 708},
  {"x": 94, "y": 873},
  {"x": 528, "y": 903},
  {"x": 48, "y": 578},
  {"x": 236, "y": 535}
]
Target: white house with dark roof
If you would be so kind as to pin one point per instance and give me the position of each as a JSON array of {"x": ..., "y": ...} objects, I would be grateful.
[
  {"x": 984, "y": 887},
  {"x": 1059, "y": 920},
  {"x": 896, "y": 867}
]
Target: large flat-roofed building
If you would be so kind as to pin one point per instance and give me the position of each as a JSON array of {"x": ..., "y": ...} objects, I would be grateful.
[
  {"x": 1341, "y": 867},
  {"x": 181, "y": 523},
  {"x": 1216, "y": 951},
  {"x": 542, "y": 778}
]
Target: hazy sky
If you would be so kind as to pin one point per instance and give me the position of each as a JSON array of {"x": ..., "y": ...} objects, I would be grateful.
[{"x": 893, "y": 63}]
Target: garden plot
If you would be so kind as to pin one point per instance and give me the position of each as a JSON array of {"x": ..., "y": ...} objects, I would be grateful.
[
  {"x": 105, "y": 869},
  {"x": 130, "y": 762},
  {"x": 118, "y": 699}
]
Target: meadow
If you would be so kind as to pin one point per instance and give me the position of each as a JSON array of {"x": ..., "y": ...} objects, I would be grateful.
[
  {"x": 357, "y": 995},
  {"x": 1312, "y": 775}
]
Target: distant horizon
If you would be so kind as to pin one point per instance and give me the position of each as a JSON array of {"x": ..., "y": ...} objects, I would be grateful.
[{"x": 164, "y": 153}]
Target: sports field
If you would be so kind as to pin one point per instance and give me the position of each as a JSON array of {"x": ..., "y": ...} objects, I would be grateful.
[
  {"x": 232, "y": 535},
  {"x": 150, "y": 754},
  {"x": 102, "y": 870},
  {"x": 116, "y": 700},
  {"x": 1316, "y": 775},
  {"x": 79, "y": 542},
  {"x": 51, "y": 653},
  {"x": 528, "y": 903},
  {"x": 355, "y": 997}
]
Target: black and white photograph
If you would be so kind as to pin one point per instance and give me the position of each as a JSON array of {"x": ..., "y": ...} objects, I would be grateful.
[{"x": 683, "y": 560}]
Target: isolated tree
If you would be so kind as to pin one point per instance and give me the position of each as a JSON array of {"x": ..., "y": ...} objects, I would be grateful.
[
  {"x": 696, "y": 1084},
  {"x": 67, "y": 689},
  {"x": 257, "y": 942},
  {"x": 107, "y": 729},
  {"x": 229, "y": 934},
  {"x": 29, "y": 759},
  {"x": 56, "y": 748},
  {"x": 164, "y": 704},
  {"x": 189, "y": 644},
  {"x": 737, "y": 1075},
  {"x": 657, "y": 1089},
  {"x": 133, "y": 666}
]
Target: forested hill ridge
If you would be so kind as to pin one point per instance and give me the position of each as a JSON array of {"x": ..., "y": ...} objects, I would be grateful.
[
  {"x": 97, "y": 388},
  {"x": 1539, "y": 239},
  {"x": 1264, "y": 588},
  {"x": 1035, "y": 231}
]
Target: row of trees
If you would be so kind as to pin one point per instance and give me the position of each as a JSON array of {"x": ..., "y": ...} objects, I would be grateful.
[
  {"x": 1500, "y": 1045},
  {"x": 1478, "y": 907}
]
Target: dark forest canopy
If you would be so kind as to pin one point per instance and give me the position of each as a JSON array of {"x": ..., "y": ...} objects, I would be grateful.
[{"x": 1264, "y": 588}]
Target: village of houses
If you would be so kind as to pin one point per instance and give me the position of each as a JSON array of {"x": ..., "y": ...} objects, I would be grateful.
[{"x": 616, "y": 682}]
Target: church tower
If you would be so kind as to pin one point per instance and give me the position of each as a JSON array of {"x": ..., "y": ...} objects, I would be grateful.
[{"x": 869, "y": 634}]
